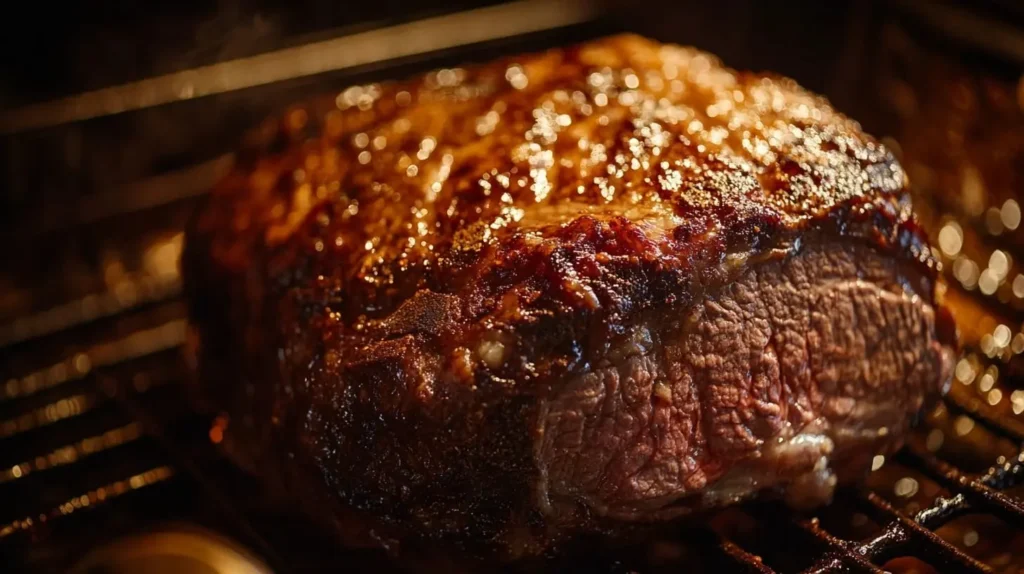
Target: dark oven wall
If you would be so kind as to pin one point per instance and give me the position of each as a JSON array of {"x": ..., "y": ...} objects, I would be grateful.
[{"x": 91, "y": 45}]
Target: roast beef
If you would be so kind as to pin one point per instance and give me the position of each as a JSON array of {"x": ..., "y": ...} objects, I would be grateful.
[{"x": 563, "y": 293}]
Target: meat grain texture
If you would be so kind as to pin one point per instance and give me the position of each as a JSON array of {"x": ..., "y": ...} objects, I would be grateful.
[{"x": 564, "y": 293}]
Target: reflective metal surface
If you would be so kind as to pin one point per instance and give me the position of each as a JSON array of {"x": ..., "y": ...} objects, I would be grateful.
[{"x": 171, "y": 552}]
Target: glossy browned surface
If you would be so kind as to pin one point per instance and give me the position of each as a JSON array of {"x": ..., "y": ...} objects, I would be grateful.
[
  {"x": 392, "y": 281},
  {"x": 406, "y": 177}
]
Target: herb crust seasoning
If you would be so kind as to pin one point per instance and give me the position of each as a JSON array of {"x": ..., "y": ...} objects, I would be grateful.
[{"x": 571, "y": 292}]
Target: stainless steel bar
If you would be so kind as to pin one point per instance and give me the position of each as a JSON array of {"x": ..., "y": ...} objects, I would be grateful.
[{"x": 403, "y": 40}]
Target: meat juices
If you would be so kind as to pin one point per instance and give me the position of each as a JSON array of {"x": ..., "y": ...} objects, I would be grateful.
[{"x": 570, "y": 292}]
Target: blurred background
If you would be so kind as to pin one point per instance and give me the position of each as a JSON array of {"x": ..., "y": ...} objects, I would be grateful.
[{"x": 116, "y": 117}]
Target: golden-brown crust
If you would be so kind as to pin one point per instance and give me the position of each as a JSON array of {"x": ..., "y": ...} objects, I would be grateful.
[
  {"x": 435, "y": 252},
  {"x": 397, "y": 180}
]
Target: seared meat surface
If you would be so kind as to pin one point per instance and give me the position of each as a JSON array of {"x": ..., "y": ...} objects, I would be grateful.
[{"x": 568, "y": 292}]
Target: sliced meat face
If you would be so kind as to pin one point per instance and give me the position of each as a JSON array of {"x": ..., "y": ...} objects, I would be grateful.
[{"x": 816, "y": 355}]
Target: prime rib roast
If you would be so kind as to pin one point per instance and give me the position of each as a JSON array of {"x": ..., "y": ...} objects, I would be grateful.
[{"x": 572, "y": 292}]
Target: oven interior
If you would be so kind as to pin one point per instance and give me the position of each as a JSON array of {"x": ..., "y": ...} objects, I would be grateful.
[{"x": 104, "y": 158}]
